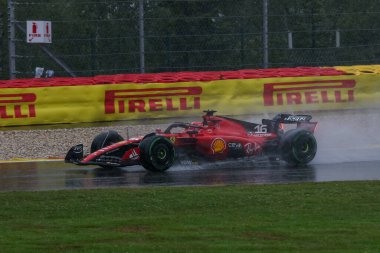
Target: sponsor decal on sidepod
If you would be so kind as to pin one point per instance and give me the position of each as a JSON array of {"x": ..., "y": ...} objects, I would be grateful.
[{"x": 218, "y": 145}]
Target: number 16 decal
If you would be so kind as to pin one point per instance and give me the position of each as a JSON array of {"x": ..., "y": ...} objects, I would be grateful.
[{"x": 261, "y": 129}]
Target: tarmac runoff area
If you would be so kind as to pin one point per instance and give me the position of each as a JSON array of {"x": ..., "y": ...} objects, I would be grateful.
[
  {"x": 348, "y": 149},
  {"x": 56, "y": 175}
]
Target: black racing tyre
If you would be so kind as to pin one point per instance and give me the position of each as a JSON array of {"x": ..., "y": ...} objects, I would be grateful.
[
  {"x": 298, "y": 147},
  {"x": 105, "y": 139},
  {"x": 156, "y": 153}
]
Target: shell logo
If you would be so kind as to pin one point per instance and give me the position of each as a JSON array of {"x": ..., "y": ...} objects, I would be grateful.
[{"x": 218, "y": 145}]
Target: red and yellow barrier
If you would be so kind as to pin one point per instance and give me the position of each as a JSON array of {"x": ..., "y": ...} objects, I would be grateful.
[{"x": 109, "y": 98}]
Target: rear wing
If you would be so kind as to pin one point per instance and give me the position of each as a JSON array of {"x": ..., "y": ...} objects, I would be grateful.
[
  {"x": 302, "y": 121},
  {"x": 291, "y": 119}
]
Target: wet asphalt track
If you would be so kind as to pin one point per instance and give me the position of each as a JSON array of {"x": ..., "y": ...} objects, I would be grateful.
[
  {"x": 348, "y": 149},
  {"x": 56, "y": 175}
]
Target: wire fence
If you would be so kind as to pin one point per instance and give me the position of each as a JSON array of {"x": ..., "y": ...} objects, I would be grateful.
[{"x": 132, "y": 36}]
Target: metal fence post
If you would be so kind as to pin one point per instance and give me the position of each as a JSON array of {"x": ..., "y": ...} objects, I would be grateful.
[
  {"x": 337, "y": 38},
  {"x": 265, "y": 34},
  {"x": 290, "y": 40},
  {"x": 11, "y": 37},
  {"x": 141, "y": 36}
]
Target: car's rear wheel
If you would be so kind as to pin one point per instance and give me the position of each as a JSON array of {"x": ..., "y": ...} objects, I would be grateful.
[
  {"x": 298, "y": 147},
  {"x": 156, "y": 153}
]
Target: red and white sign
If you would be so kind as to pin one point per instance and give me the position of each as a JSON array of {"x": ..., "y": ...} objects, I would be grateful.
[{"x": 38, "y": 31}]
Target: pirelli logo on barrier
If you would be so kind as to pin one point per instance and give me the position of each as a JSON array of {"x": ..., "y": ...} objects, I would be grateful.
[
  {"x": 153, "y": 99},
  {"x": 20, "y": 105},
  {"x": 309, "y": 92}
]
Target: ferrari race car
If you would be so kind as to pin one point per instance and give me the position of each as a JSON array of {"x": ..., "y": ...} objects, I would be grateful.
[{"x": 215, "y": 138}]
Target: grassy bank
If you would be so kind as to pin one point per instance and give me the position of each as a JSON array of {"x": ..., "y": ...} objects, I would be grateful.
[{"x": 325, "y": 217}]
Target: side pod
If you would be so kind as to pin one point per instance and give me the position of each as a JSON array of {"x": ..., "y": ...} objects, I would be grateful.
[{"x": 75, "y": 154}]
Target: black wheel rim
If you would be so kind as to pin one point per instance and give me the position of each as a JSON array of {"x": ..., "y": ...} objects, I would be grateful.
[
  {"x": 304, "y": 148},
  {"x": 161, "y": 155}
]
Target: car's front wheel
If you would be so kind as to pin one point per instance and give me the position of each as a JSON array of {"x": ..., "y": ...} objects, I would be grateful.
[{"x": 105, "y": 139}]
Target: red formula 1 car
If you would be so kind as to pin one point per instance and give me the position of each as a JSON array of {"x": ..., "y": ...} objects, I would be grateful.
[{"x": 215, "y": 138}]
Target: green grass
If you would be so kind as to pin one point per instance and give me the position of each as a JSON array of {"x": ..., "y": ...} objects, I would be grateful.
[{"x": 323, "y": 217}]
